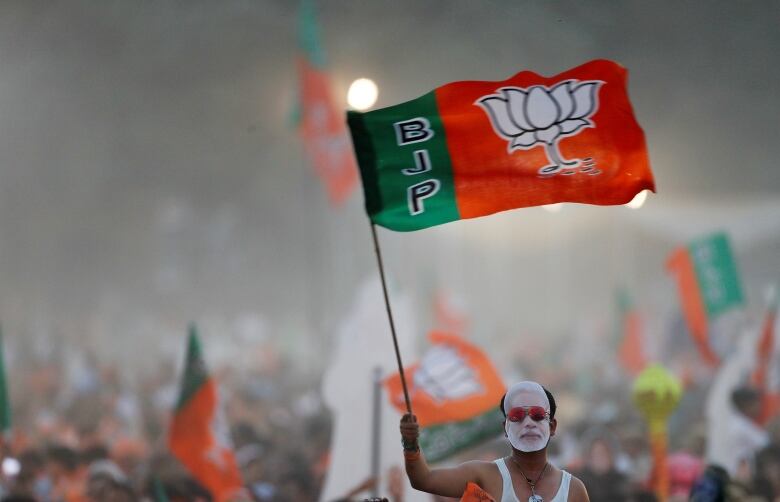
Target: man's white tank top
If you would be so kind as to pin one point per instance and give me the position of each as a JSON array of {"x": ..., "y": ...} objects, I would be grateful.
[{"x": 508, "y": 491}]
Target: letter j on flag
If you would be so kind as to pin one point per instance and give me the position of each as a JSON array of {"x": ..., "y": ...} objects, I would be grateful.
[{"x": 474, "y": 148}]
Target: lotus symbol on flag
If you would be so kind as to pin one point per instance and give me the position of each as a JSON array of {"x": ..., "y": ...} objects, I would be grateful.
[
  {"x": 539, "y": 114},
  {"x": 444, "y": 375}
]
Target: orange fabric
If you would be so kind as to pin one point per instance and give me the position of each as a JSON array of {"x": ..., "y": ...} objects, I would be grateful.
[
  {"x": 770, "y": 407},
  {"x": 195, "y": 442},
  {"x": 771, "y": 401},
  {"x": 681, "y": 265},
  {"x": 631, "y": 353},
  {"x": 324, "y": 132},
  {"x": 764, "y": 352},
  {"x": 488, "y": 178},
  {"x": 474, "y": 493},
  {"x": 466, "y": 358},
  {"x": 72, "y": 487}
]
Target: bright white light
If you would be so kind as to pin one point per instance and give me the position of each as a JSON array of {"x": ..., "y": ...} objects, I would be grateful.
[
  {"x": 638, "y": 200},
  {"x": 553, "y": 208},
  {"x": 362, "y": 94},
  {"x": 11, "y": 467}
]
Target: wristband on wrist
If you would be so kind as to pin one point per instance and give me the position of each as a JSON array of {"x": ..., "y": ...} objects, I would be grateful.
[
  {"x": 412, "y": 456},
  {"x": 410, "y": 445}
]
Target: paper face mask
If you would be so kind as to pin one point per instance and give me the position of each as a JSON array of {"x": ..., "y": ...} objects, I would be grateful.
[{"x": 527, "y": 435}]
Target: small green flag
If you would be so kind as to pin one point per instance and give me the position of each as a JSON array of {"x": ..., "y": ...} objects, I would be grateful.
[
  {"x": 5, "y": 401},
  {"x": 195, "y": 372},
  {"x": 717, "y": 274}
]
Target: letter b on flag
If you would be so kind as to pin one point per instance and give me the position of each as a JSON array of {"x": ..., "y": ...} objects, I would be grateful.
[{"x": 413, "y": 131}]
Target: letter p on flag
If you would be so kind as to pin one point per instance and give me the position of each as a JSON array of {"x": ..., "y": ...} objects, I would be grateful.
[{"x": 481, "y": 147}]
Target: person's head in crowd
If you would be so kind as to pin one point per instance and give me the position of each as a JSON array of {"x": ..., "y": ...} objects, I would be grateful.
[
  {"x": 296, "y": 484},
  {"x": 107, "y": 483},
  {"x": 244, "y": 433},
  {"x": 179, "y": 489},
  {"x": 711, "y": 486},
  {"x": 129, "y": 454},
  {"x": 93, "y": 453},
  {"x": 747, "y": 401},
  {"x": 768, "y": 468},
  {"x": 19, "y": 498},
  {"x": 600, "y": 456},
  {"x": 32, "y": 476},
  {"x": 250, "y": 459},
  {"x": 61, "y": 461}
]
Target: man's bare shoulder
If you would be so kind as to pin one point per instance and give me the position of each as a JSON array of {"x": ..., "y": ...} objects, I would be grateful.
[
  {"x": 577, "y": 491},
  {"x": 481, "y": 466}
]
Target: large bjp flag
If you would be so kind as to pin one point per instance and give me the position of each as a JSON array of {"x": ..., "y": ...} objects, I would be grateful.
[{"x": 474, "y": 148}]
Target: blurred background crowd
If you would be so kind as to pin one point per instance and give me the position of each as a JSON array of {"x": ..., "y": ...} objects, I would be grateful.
[{"x": 85, "y": 430}]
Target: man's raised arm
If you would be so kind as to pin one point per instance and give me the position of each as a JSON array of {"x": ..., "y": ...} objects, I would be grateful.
[{"x": 449, "y": 482}]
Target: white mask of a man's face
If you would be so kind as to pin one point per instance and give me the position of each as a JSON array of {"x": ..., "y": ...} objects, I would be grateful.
[{"x": 528, "y": 435}]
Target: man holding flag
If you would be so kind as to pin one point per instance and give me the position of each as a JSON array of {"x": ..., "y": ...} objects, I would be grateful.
[
  {"x": 474, "y": 148},
  {"x": 525, "y": 474}
]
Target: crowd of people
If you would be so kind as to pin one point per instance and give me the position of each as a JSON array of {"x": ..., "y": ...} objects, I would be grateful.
[{"x": 87, "y": 431}]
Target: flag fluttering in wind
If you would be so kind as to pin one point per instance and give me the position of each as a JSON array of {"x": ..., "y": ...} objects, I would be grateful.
[
  {"x": 765, "y": 352},
  {"x": 631, "y": 353},
  {"x": 474, "y": 148},
  {"x": 708, "y": 283},
  {"x": 320, "y": 122},
  {"x": 5, "y": 399},
  {"x": 455, "y": 391},
  {"x": 198, "y": 435}
]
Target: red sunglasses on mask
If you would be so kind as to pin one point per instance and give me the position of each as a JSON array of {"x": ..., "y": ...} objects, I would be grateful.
[{"x": 518, "y": 414}]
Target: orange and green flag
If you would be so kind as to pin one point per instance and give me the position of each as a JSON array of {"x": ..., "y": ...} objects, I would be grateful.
[
  {"x": 320, "y": 122},
  {"x": 631, "y": 351},
  {"x": 474, "y": 148},
  {"x": 708, "y": 284},
  {"x": 198, "y": 435},
  {"x": 766, "y": 343},
  {"x": 765, "y": 350},
  {"x": 455, "y": 391}
]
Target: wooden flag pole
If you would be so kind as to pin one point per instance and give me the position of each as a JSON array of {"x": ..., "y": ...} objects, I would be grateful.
[
  {"x": 390, "y": 318},
  {"x": 376, "y": 430}
]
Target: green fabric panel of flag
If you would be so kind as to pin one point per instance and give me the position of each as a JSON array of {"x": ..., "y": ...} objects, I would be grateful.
[
  {"x": 624, "y": 305},
  {"x": 441, "y": 441},
  {"x": 309, "y": 35},
  {"x": 195, "y": 374},
  {"x": 405, "y": 165},
  {"x": 716, "y": 273}
]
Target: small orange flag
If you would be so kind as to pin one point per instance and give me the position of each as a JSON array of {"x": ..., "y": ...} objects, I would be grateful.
[
  {"x": 196, "y": 436},
  {"x": 474, "y": 493}
]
